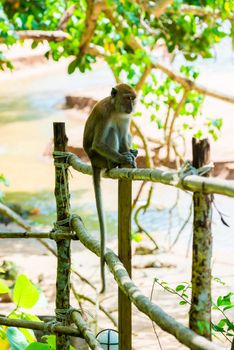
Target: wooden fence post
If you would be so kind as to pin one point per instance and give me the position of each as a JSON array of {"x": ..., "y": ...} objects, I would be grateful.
[
  {"x": 63, "y": 246},
  {"x": 200, "y": 310},
  {"x": 124, "y": 251}
]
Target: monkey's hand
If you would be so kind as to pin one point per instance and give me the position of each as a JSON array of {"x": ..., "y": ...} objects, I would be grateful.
[
  {"x": 128, "y": 159},
  {"x": 134, "y": 152}
]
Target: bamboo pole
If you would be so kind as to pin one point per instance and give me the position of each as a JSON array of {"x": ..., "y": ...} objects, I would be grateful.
[
  {"x": 41, "y": 326},
  {"x": 50, "y": 235},
  {"x": 5, "y": 210},
  {"x": 85, "y": 331},
  {"x": 63, "y": 247},
  {"x": 124, "y": 253},
  {"x": 200, "y": 310},
  {"x": 191, "y": 183},
  {"x": 184, "y": 335}
]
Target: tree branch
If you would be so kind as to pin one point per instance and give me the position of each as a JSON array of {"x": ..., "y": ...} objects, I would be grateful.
[
  {"x": 157, "y": 9},
  {"x": 93, "y": 302},
  {"x": 148, "y": 159},
  {"x": 144, "y": 76},
  {"x": 191, "y": 85},
  {"x": 143, "y": 304},
  {"x": 176, "y": 114},
  {"x": 183, "y": 9},
  {"x": 92, "y": 13},
  {"x": 85, "y": 331},
  {"x": 57, "y": 35},
  {"x": 193, "y": 183},
  {"x": 5, "y": 210},
  {"x": 188, "y": 84},
  {"x": 41, "y": 326},
  {"x": 66, "y": 16},
  {"x": 200, "y": 11}
]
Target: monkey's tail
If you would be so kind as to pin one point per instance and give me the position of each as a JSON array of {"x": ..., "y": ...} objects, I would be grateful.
[{"x": 102, "y": 224}]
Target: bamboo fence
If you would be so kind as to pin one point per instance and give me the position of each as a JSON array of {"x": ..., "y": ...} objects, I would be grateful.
[{"x": 68, "y": 228}]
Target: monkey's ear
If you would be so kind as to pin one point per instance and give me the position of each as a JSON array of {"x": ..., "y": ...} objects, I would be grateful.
[{"x": 113, "y": 92}]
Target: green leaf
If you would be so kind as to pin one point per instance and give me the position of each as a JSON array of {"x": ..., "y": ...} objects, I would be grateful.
[
  {"x": 198, "y": 134},
  {"x": 3, "y": 288},
  {"x": 185, "y": 295},
  {"x": 180, "y": 287},
  {"x": 183, "y": 302},
  {"x": 231, "y": 306},
  {"x": 222, "y": 323},
  {"x": 30, "y": 317},
  {"x": 137, "y": 237},
  {"x": 213, "y": 134},
  {"x": 137, "y": 114},
  {"x": 217, "y": 329},
  {"x": 72, "y": 66},
  {"x": 25, "y": 294},
  {"x": 50, "y": 340},
  {"x": 219, "y": 300},
  {"x": 16, "y": 339},
  {"x": 34, "y": 44},
  {"x": 39, "y": 346},
  {"x": 217, "y": 123},
  {"x": 4, "y": 180},
  {"x": 29, "y": 334},
  {"x": 153, "y": 117}
]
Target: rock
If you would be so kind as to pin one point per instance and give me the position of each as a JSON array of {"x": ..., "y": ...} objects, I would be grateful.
[
  {"x": 145, "y": 248},
  {"x": 80, "y": 102},
  {"x": 149, "y": 261}
]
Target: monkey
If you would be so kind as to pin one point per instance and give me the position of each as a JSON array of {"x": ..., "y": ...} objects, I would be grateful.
[{"x": 107, "y": 141}]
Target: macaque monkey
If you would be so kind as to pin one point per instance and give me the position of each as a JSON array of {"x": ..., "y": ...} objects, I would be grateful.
[{"x": 107, "y": 142}]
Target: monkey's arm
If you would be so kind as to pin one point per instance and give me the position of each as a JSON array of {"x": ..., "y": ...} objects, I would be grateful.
[
  {"x": 105, "y": 143},
  {"x": 133, "y": 151}
]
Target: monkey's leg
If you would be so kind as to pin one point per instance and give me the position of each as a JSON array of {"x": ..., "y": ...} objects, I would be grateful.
[
  {"x": 134, "y": 152},
  {"x": 113, "y": 142},
  {"x": 107, "y": 144}
]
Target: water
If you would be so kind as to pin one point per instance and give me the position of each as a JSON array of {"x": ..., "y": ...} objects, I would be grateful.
[
  {"x": 28, "y": 107},
  {"x": 37, "y": 96}
]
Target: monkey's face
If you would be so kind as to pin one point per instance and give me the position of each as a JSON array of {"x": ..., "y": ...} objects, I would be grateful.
[
  {"x": 129, "y": 103},
  {"x": 125, "y": 103},
  {"x": 123, "y": 98}
]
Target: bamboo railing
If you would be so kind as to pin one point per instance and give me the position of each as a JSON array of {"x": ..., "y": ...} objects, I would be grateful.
[{"x": 69, "y": 228}]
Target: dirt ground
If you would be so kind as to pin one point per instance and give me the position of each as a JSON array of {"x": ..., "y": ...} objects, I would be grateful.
[{"x": 40, "y": 266}]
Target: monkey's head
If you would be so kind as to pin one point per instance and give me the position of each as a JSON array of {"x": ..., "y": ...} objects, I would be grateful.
[{"x": 123, "y": 98}]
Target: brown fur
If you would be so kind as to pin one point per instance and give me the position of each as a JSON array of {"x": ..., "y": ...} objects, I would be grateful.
[{"x": 107, "y": 143}]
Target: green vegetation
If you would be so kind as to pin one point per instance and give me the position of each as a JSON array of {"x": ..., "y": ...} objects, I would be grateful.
[
  {"x": 223, "y": 324},
  {"x": 24, "y": 295},
  {"x": 151, "y": 46},
  {"x": 137, "y": 39}
]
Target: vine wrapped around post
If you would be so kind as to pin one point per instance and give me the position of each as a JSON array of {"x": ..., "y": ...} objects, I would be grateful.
[
  {"x": 200, "y": 311},
  {"x": 62, "y": 224}
]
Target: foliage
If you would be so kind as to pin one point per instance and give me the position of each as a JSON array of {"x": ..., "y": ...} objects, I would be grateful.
[
  {"x": 225, "y": 302},
  {"x": 50, "y": 344},
  {"x": 222, "y": 304},
  {"x": 131, "y": 37},
  {"x": 25, "y": 295}
]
